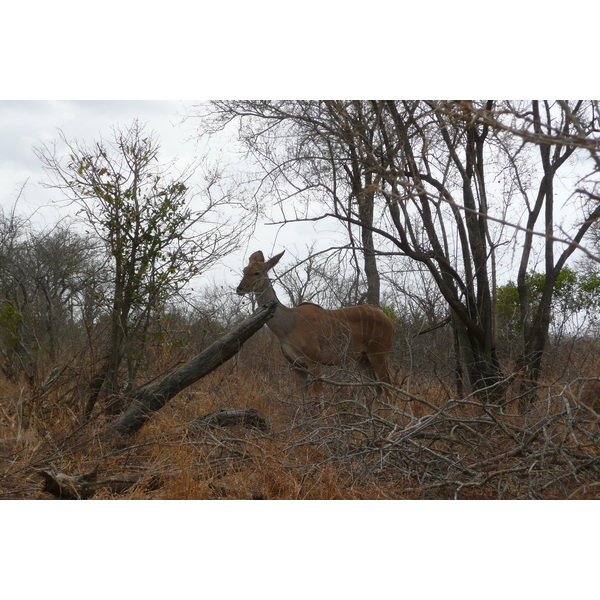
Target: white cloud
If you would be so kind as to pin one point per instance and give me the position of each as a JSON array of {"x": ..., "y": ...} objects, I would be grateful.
[{"x": 26, "y": 124}]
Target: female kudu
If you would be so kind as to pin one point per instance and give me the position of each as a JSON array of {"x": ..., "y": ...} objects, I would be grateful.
[{"x": 311, "y": 336}]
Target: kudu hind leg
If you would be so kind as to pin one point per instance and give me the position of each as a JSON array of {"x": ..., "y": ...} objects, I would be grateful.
[
  {"x": 303, "y": 385},
  {"x": 370, "y": 374},
  {"x": 303, "y": 381},
  {"x": 303, "y": 378},
  {"x": 377, "y": 368}
]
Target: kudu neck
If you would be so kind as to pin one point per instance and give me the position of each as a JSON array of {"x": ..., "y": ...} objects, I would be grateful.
[
  {"x": 282, "y": 321},
  {"x": 266, "y": 295}
]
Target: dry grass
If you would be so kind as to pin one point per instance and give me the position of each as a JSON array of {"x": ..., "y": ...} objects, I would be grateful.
[{"x": 421, "y": 446}]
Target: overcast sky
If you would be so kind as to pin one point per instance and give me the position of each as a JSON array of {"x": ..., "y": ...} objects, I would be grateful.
[{"x": 26, "y": 124}]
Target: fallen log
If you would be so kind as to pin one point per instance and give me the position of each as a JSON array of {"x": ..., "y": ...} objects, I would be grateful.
[
  {"x": 226, "y": 417},
  {"x": 81, "y": 487},
  {"x": 150, "y": 398}
]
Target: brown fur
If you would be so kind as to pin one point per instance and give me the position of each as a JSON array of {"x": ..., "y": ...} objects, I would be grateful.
[{"x": 311, "y": 336}]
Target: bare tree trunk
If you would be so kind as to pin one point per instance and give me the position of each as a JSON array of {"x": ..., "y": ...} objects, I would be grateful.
[
  {"x": 365, "y": 210},
  {"x": 151, "y": 398}
]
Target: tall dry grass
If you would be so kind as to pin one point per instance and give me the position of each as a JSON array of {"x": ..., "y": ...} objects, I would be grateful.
[{"x": 424, "y": 443}]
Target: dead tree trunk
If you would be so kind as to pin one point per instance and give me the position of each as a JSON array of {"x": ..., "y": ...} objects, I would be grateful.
[
  {"x": 150, "y": 398},
  {"x": 81, "y": 487}
]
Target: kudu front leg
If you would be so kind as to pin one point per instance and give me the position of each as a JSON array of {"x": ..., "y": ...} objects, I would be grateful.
[
  {"x": 303, "y": 378},
  {"x": 303, "y": 385}
]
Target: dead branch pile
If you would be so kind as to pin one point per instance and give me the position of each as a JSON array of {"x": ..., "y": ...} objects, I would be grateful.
[
  {"x": 411, "y": 448},
  {"x": 551, "y": 452},
  {"x": 462, "y": 449}
]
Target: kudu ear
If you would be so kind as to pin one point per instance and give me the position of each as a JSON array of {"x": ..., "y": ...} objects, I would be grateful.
[
  {"x": 257, "y": 257},
  {"x": 275, "y": 259}
]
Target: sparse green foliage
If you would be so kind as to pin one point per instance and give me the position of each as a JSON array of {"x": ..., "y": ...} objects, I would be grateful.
[
  {"x": 144, "y": 219},
  {"x": 575, "y": 292},
  {"x": 11, "y": 321},
  {"x": 390, "y": 312},
  {"x": 140, "y": 215}
]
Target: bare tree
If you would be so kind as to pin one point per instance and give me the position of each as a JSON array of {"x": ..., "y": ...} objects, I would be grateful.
[
  {"x": 45, "y": 279},
  {"x": 327, "y": 277},
  {"x": 313, "y": 152},
  {"x": 424, "y": 178},
  {"x": 154, "y": 240}
]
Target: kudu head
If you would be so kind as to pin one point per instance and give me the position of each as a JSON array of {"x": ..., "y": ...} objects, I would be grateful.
[{"x": 255, "y": 277}]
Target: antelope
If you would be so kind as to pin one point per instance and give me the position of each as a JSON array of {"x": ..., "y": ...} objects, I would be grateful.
[{"x": 311, "y": 336}]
